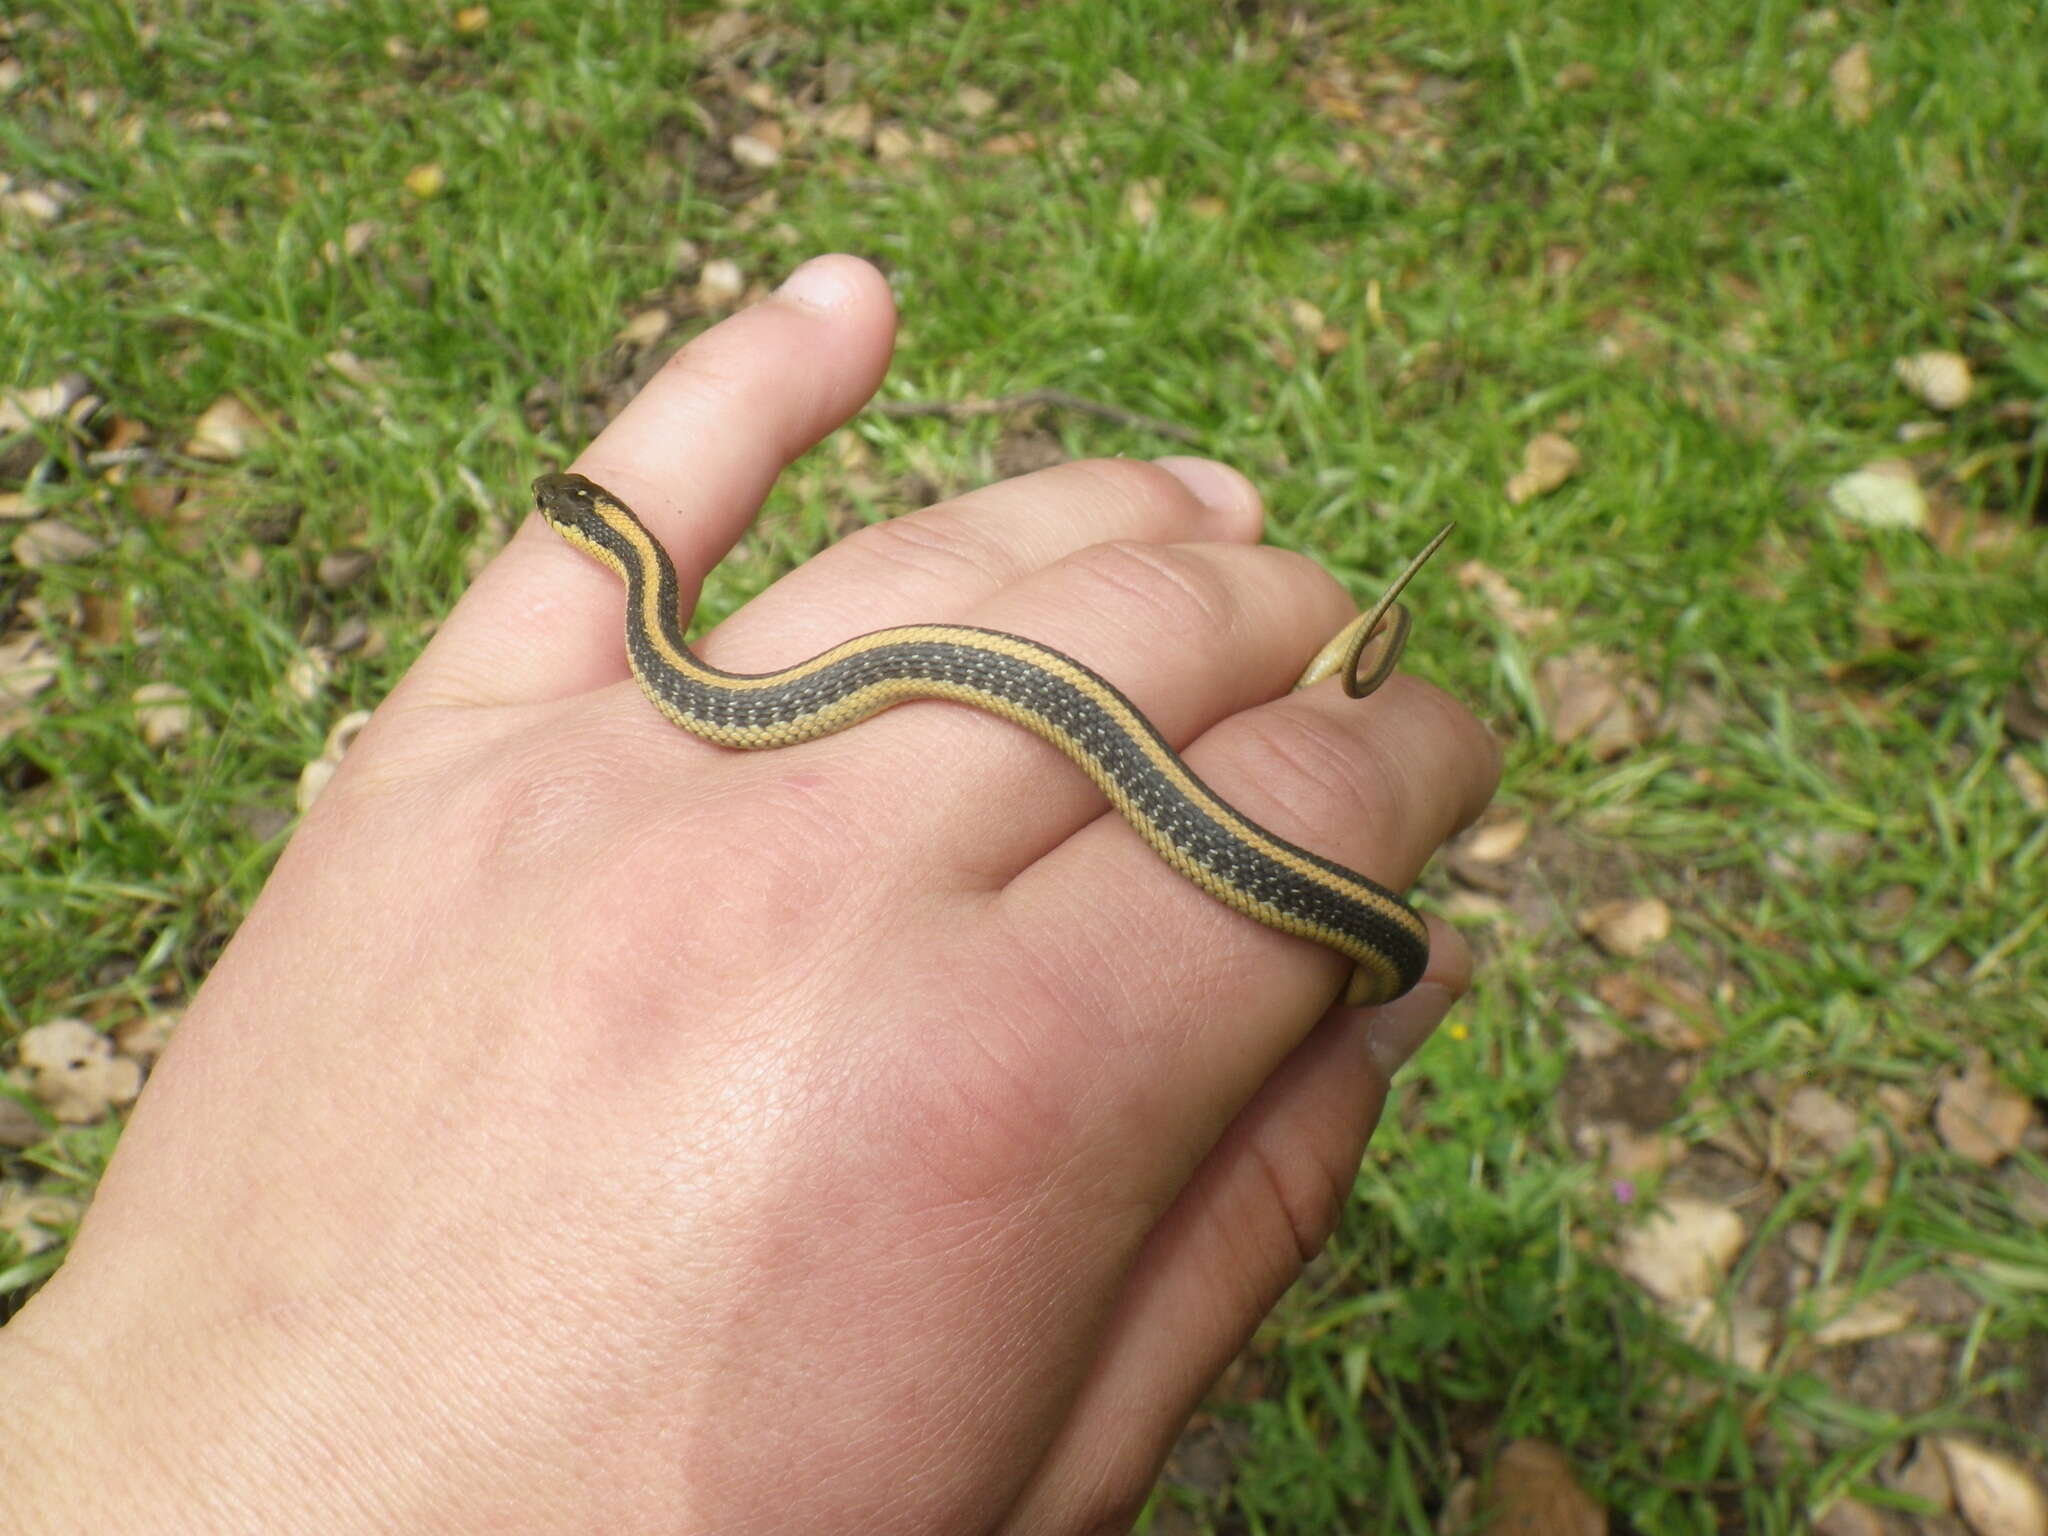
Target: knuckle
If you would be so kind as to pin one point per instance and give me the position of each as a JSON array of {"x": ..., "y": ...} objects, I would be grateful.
[
  {"x": 1131, "y": 484},
  {"x": 1307, "y": 1190},
  {"x": 927, "y": 543},
  {"x": 1302, "y": 758},
  {"x": 1179, "y": 591}
]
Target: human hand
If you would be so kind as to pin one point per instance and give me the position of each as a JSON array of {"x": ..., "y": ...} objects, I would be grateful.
[{"x": 593, "y": 1129}]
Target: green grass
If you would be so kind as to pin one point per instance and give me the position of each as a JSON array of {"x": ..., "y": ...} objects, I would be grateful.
[{"x": 1683, "y": 260}]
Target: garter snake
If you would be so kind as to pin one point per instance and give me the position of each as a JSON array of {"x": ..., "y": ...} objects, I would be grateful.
[{"x": 1051, "y": 695}]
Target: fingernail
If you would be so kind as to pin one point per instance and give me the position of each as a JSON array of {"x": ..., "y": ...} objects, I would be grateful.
[
  {"x": 1396, "y": 1030},
  {"x": 1216, "y": 486},
  {"x": 817, "y": 284}
]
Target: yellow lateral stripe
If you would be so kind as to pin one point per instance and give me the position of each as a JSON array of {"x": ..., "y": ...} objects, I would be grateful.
[{"x": 1029, "y": 654}]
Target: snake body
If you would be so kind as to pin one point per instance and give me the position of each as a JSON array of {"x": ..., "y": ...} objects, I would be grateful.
[{"x": 1227, "y": 854}]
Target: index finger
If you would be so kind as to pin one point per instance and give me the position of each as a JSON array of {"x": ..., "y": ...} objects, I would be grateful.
[{"x": 695, "y": 452}]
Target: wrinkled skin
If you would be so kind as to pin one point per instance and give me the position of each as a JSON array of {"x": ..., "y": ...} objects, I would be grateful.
[{"x": 591, "y": 1129}]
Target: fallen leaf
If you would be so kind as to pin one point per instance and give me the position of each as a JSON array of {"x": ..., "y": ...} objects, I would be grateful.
[
  {"x": 315, "y": 776},
  {"x": 1503, "y": 600},
  {"x": 1940, "y": 380},
  {"x": 1852, "y": 1322},
  {"x": 27, "y": 1215},
  {"x": 1494, "y": 842},
  {"x": 1141, "y": 201},
  {"x": 1884, "y": 493},
  {"x": 226, "y": 430},
  {"x": 974, "y": 102},
  {"x": 472, "y": 19},
  {"x": 145, "y": 1036},
  {"x": 1816, "y": 1116},
  {"x": 1534, "y": 1494},
  {"x": 21, "y": 409},
  {"x": 28, "y": 665},
  {"x": 1850, "y": 1517},
  {"x": 73, "y": 1071},
  {"x": 760, "y": 146},
  {"x": 1626, "y": 928},
  {"x": 307, "y": 673},
  {"x": 720, "y": 284},
  {"x": 1852, "y": 86},
  {"x": 46, "y": 541},
  {"x": 1008, "y": 146},
  {"x": 1682, "y": 1250},
  {"x": 1992, "y": 1491},
  {"x": 340, "y": 568},
  {"x": 426, "y": 181},
  {"x": 1979, "y": 1117},
  {"x": 1548, "y": 460},
  {"x": 162, "y": 713},
  {"x": 854, "y": 120},
  {"x": 894, "y": 145},
  {"x": 2030, "y": 782},
  {"x": 1739, "y": 1335}
]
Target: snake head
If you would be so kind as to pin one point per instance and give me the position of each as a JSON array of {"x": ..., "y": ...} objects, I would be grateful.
[{"x": 567, "y": 501}]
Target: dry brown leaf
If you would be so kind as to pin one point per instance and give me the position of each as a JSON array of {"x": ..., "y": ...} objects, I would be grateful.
[
  {"x": 426, "y": 181},
  {"x": 1816, "y": 1116},
  {"x": 1925, "y": 1476},
  {"x": 720, "y": 284},
  {"x": 1978, "y": 1117},
  {"x": 306, "y": 675},
  {"x": 1850, "y": 1517},
  {"x": 38, "y": 404},
  {"x": 1740, "y": 1335},
  {"x": 47, "y": 541},
  {"x": 760, "y": 146},
  {"x": 1534, "y": 1494},
  {"x": 16, "y": 508},
  {"x": 340, "y": 568},
  {"x": 1676, "y": 1013},
  {"x": 1885, "y": 493},
  {"x": 1503, "y": 600},
  {"x": 2029, "y": 781},
  {"x": 1575, "y": 76},
  {"x": 1993, "y": 1492},
  {"x": 1548, "y": 460},
  {"x": 73, "y": 1071},
  {"x": 144, "y": 1036},
  {"x": 852, "y": 120},
  {"x": 225, "y": 431},
  {"x": 315, "y": 776},
  {"x": 1940, "y": 380},
  {"x": 1852, "y": 86},
  {"x": 894, "y": 145},
  {"x": 472, "y": 19},
  {"x": 1141, "y": 201},
  {"x": 974, "y": 102},
  {"x": 19, "y": 1125},
  {"x": 1494, "y": 842},
  {"x": 1626, "y": 928},
  {"x": 1682, "y": 1250},
  {"x": 162, "y": 713},
  {"x": 1008, "y": 146},
  {"x": 355, "y": 371},
  {"x": 28, "y": 665},
  {"x": 1854, "y": 1321},
  {"x": 27, "y": 1215}
]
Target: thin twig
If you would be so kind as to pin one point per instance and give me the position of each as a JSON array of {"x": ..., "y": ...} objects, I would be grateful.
[{"x": 1059, "y": 399}]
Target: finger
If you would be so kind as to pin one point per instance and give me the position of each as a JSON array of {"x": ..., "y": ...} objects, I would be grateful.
[
  {"x": 937, "y": 564},
  {"x": 1190, "y": 632},
  {"x": 693, "y": 453},
  {"x": 1374, "y": 784},
  {"x": 1262, "y": 1203}
]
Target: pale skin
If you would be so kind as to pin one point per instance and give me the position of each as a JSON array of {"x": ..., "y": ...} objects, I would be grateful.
[{"x": 594, "y": 1130}]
